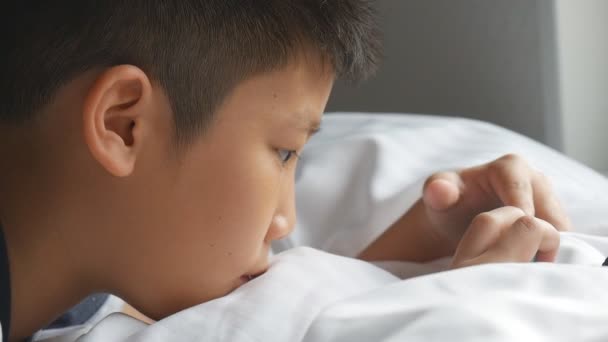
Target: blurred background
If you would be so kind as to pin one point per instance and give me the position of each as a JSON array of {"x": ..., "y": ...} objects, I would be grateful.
[{"x": 539, "y": 67}]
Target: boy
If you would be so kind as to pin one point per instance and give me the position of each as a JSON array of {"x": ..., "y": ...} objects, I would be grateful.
[{"x": 149, "y": 150}]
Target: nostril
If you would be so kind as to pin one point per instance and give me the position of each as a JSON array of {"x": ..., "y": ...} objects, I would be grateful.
[{"x": 279, "y": 228}]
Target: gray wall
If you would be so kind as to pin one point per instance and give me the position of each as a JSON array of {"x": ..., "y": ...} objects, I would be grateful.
[
  {"x": 539, "y": 67},
  {"x": 582, "y": 28},
  {"x": 484, "y": 59}
]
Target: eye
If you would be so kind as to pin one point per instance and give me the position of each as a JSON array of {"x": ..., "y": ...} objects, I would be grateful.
[{"x": 286, "y": 155}]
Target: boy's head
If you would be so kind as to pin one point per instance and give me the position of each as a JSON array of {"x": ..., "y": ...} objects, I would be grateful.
[{"x": 159, "y": 138}]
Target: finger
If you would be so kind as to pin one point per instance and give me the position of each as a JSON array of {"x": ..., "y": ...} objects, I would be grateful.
[
  {"x": 510, "y": 178},
  {"x": 526, "y": 238},
  {"x": 485, "y": 230},
  {"x": 547, "y": 205},
  {"x": 442, "y": 190}
]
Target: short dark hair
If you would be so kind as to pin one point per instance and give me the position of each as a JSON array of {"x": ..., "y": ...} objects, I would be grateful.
[{"x": 197, "y": 50}]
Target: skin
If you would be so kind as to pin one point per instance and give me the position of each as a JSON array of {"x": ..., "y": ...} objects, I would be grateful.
[
  {"x": 96, "y": 198},
  {"x": 97, "y": 191},
  {"x": 469, "y": 214}
]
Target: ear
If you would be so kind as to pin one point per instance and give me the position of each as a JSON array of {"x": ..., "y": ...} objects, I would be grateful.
[{"x": 114, "y": 117}]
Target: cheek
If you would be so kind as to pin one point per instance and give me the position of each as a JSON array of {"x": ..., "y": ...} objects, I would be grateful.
[
  {"x": 211, "y": 231},
  {"x": 223, "y": 213}
]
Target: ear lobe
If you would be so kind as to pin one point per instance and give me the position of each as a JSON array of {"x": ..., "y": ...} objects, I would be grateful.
[{"x": 114, "y": 116}]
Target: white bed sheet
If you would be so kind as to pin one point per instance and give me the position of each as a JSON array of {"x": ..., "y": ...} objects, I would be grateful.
[
  {"x": 312, "y": 296},
  {"x": 356, "y": 178},
  {"x": 361, "y": 173}
]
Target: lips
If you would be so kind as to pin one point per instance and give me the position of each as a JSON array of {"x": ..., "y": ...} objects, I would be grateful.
[{"x": 249, "y": 277}]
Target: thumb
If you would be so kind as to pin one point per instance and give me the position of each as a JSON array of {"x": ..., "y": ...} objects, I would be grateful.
[{"x": 442, "y": 191}]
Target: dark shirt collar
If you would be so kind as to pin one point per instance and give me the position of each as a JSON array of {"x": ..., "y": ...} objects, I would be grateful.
[{"x": 5, "y": 288}]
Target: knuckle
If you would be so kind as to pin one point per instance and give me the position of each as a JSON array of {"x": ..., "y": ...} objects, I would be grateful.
[
  {"x": 496, "y": 167},
  {"x": 517, "y": 211},
  {"x": 527, "y": 224},
  {"x": 508, "y": 162},
  {"x": 513, "y": 158},
  {"x": 484, "y": 220},
  {"x": 517, "y": 185}
]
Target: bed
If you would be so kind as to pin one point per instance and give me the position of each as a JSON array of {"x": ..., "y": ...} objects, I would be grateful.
[{"x": 357, "y": 177}]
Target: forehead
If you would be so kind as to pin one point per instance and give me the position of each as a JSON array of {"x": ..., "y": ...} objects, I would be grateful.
[{"x": 297, "y": 92}]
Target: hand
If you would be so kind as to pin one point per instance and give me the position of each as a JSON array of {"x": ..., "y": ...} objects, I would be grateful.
[
  {"x": 453, "y": 199},
  {"x": 506, "y": 234}
]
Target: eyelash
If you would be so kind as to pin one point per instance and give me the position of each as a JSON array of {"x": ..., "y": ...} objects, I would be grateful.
[{"x": 286, "y": 155}]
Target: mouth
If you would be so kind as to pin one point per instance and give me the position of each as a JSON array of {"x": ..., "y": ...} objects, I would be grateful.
[{"x": 249, "y": 277}]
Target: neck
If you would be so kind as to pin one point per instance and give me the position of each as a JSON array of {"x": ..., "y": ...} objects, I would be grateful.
[
  {"x": 46, "y": 274},
  {"x": 43, "y": 283}
]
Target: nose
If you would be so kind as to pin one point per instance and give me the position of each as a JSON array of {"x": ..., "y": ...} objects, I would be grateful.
[{"x": 284, "y": 218}]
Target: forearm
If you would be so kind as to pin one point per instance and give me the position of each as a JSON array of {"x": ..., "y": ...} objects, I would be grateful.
[{"x": 411, "y": 238}]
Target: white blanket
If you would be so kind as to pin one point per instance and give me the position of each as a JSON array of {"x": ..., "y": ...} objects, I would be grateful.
[{"x": 356, "y": 178}]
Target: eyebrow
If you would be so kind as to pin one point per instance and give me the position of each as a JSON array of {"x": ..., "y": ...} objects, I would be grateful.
[
  {"x": 309, "y": 126},
  {"x": 313, "y": 128}
]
